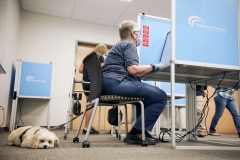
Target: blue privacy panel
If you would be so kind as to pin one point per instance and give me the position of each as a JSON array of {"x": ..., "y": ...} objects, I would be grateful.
[
  {"x": 179, "y": 89},
  {"x": 207, "y": 31},
  {"x": 166, "y": 52},
  {"x": 153, "y": 35},
  {"x": 35, "y": 80}
]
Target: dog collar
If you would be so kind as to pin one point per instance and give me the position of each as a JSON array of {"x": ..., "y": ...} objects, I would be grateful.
[{"x": 20, "y": 137}]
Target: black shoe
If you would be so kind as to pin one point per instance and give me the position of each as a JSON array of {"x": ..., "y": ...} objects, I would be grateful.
[
  {"x": 137, "y": 139},
  {"x": 148, "y": 135},
  {"x": 92, "y": 131}
]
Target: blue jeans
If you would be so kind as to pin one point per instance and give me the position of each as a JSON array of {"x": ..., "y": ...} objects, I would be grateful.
[
  {"x": 154, "y": 103},
  {"x": 222, "y": 103}
]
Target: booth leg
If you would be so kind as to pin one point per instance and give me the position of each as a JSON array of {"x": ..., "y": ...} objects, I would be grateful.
[
  {"x": 13, "y": 115},
  {"x": 190, "y": 111},
  {"x": 48, "y": 116}
]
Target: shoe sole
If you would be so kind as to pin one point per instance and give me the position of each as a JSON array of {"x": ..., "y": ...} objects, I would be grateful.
[
  {"x": 130, "y": 141},
  {"x": 156, "y": 139},
  {"x": 152, "y": 143},
  {"x": 214, "y": 134},
  {"x": 201, "y": 135}
]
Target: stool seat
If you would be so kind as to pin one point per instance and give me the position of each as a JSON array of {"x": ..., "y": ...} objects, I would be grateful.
[{"x": 118, "y": 99}]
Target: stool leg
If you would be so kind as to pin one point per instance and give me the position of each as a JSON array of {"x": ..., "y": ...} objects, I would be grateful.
[
  {"x": 126, "y": 120},
  {"x": 81, "y": 122},
  {"x": 99, "y": 119},
  {"x": 119, "y": 122},
  {"x": 91, "y": 119},
  {"x": 143, "y": 120}
]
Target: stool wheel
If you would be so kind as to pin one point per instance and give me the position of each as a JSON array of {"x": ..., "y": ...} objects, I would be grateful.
[
  {"x": 85, "y": 144},
  {"x": 144, "y": 143},
  {"x": 75, "y": 140}
]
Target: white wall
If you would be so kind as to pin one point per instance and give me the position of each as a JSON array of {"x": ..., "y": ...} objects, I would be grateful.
[
  {"x": 8, "y": 38},
  {"x": 45, "y": 39}
]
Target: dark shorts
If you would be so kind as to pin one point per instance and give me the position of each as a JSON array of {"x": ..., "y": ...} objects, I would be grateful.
[{"x": 86, "y": 87}]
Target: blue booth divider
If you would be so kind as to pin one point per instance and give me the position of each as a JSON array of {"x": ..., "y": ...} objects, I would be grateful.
[
  {"x": 207, "y": 32},
  {"x": 35, "y": 80},
  {"x": 153, "y": 35}
]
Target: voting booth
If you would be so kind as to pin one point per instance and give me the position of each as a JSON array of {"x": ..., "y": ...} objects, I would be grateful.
[
  {"x": 33, "y": 80},
  {"x": 198, "y": 46}
]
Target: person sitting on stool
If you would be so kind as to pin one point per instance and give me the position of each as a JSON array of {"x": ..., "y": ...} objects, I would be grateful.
[{"x": 121, "y": 76}]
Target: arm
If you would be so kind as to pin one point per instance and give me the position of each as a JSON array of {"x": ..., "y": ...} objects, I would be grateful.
[
  {"x": 101, "y": 60},
  {"x": 81, "y": 68},
  {"x": 138, "y": 71}
]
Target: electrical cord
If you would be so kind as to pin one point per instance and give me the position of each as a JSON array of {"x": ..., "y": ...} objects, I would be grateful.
[
  {"x": 61, "y": 125},
  {"x": 3, "y": 111},
  {"x": 4, "y": 117},
  {"x": 180, "y": 137}
]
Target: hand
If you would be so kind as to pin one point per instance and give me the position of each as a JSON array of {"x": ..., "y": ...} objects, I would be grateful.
[{"x": 158, "y": 66}]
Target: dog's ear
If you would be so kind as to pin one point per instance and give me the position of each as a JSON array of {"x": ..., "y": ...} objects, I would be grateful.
[
  {"x": 56, "y": 142},
  {"x": 35, "y": 142}
]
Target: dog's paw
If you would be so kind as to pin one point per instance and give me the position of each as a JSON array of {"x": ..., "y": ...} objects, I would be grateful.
[{"x": 10, "y": 143}]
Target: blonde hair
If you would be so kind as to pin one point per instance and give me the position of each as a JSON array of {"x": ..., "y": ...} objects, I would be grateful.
[
  {"x": 101, "y": 49},
  {"x": 126, "y": 28}
]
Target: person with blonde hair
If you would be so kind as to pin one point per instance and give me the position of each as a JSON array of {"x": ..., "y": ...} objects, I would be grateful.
[
  {"x": 122, "y": 76},
  {"x": 100, "y": 49}
]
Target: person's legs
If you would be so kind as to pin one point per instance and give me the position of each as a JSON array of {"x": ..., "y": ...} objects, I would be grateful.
[
  {"x": 220, "y": 104},
  {"x": 154, "y": 102},
  {"x": 232, "y": 107},
  {"x": 154, "y": 98},
  {"x": 201, "y": 131}
]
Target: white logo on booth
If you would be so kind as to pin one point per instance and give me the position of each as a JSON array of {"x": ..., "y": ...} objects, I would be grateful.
[
  {"x": 32, "y": 79},
  {"x": 195, "y": 21}
]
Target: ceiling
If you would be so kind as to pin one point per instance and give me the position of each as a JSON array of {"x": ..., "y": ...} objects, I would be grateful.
[{"x": 105, "y": 12}]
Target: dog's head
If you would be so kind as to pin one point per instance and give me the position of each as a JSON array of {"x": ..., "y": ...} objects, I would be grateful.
[{"x": 45, "y": 140}]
